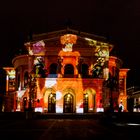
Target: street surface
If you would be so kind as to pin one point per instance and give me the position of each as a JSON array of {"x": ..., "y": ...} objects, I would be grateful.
[{"x": 65, "y": 129}]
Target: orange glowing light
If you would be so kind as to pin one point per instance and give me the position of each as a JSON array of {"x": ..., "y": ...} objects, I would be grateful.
[{"x": 68, "y": 39}]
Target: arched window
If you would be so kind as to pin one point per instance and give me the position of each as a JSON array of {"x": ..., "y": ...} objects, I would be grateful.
[
  {"x": 69, "y": 70},
  {"x": 53, "y": 68},
  {"x": 52, "y": 103},
  {"x": 85, "y": 103},
  {"x": 68, "y": 103}
]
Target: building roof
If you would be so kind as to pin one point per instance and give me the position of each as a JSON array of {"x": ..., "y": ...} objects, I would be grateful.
[
  {"x": 66, "y": 31},
  {"x": 84, "y": 39}
]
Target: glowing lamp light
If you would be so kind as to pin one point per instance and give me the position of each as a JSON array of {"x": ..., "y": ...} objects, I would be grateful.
[
  {"x": 68, "y": 95},
  {"x": 39, "y": 43},
  {"x": 134, "y": 124},
  {"x": 134, "y": 110},
  {"x": 51, "y": 95},
  {"x": 86, "y": 95}
]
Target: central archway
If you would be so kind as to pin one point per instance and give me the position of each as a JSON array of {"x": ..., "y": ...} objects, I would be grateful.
[
  {"x": 68, "y": 103},
  {"x": 85, "y": 103},
  {"x": 89, "y": 100},
  {"x": 52, "y": 103},
  {"x": 69, "y": 71}
]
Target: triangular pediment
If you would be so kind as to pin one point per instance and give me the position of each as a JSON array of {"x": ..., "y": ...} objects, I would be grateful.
[
  {"x": 58, "y": 33},
  {"x": 84, "y": 40}
]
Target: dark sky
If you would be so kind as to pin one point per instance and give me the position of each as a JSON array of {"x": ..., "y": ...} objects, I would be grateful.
[{"x": 118, "y": 20}]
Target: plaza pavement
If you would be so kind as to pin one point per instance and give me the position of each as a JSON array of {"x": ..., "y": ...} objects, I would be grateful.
[{"x": 68, "y": 127}]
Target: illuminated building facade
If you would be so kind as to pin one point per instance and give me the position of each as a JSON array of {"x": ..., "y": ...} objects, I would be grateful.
[
  {"x": 68, "y": 71},
  {"x": 133, "y": 101}
]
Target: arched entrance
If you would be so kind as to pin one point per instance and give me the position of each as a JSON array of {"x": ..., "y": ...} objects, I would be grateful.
[
  {"x": 85, "y": 103},
  {"x": 52, "y": 103},
  {"x": 69, "y": 71},
  {"x": 89, "y": 100},
  {"x": 68, "y": 103}
]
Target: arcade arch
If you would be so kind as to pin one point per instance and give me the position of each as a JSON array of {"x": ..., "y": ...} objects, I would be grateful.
[
  {"x": 50, "y": 100},
  {"x": 68, "y": 70},
  {"x": 69, "y": 101},
  {"x": 89, "y": 100}
]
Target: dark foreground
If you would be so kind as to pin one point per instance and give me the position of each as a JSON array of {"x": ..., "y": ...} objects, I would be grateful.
[{"x": 69, "y": 127}]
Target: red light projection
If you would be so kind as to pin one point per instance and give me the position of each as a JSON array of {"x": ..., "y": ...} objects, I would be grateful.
[
  {"x": 64, "y": 86},
  {"x": 72, "y": 80}
]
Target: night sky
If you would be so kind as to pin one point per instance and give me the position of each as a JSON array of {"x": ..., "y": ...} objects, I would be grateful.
[{"x": 117, "y": 20}]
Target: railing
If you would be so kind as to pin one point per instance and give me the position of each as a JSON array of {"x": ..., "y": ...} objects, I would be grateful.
[{"x": 71, "y": 76}]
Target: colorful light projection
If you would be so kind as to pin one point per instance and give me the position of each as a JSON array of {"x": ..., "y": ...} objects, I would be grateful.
[
  {"x": 100, "y": 68},
  {"x": 39, "y": 67},
  {"x": 102, "y": 50},
  {"x": 102, "y": 53},
  {"x": 37, "y": 48},
  {"x": 68, "y": 40},
  {"x": 36, "y": 52},
  {"x": 91, "y": 42}
]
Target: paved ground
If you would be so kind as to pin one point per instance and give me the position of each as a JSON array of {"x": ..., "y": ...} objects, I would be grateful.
[{"x": 68, "y": 129}]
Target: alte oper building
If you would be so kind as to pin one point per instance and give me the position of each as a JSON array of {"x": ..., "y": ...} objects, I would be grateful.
[{"x": 66, "y": 71}]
